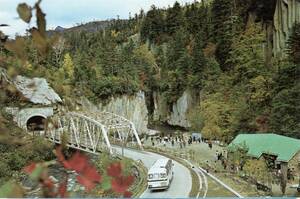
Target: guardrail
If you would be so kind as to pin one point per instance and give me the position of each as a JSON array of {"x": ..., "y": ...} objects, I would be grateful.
[{"x": 141, "y": 186}]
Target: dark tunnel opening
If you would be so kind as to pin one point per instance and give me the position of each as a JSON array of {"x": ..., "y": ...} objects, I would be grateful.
[{"x": 36, "y": 123}]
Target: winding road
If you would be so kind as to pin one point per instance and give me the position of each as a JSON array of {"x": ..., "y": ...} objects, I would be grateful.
[{"x": 182, "y": 181}]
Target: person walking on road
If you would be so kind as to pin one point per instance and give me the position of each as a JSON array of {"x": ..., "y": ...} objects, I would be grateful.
[
  {"x": 209, "y": 144},
  {"x": 180, "y": 143},
  {"x": 164, "y": 143}
]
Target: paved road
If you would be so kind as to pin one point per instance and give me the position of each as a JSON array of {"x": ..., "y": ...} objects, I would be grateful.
[{"x": 182, "y": 181}]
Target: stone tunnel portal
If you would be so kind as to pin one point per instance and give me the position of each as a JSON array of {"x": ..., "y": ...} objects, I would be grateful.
[{"x": 36, "y": 123}]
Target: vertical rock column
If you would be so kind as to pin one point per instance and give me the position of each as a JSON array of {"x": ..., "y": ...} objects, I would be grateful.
[{"x": 287, "y": 13}]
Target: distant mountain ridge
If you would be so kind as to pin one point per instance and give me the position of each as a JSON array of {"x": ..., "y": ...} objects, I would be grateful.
[{"x": 93, "y": 26}]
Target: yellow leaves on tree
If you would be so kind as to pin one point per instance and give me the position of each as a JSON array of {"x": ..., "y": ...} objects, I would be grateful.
[
  {"x": 216, "y": 115},
  {"x": 114, "y": 33},
  {"x": 146, "y": 55},
  {"x": 257, "y": 169},
  {"x": 68, "y": 67},
  {"x": 261, "y": 89},
  {"x": 63, "y": 77},
  {"x": 148, "y": 59}
]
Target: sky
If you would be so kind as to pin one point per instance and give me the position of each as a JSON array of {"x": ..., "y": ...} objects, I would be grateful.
[{"x": 68, "y": 13}]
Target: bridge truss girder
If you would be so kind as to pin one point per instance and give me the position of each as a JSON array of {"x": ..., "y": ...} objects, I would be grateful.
[{"x": 90, "y": 133}]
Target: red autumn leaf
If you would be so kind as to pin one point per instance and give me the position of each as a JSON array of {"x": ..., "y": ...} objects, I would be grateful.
[
  {"x": 60, "y": 156},
  {"x": 78, "y": 162},
  {"x": 91, "y": 173},
  {"x": 127, "y": 194},
  {"x": 48, "y": 183},
  {"x": 88, "y": 174},
  {"x": 30, "y": 168},
  {"x": 89, "y": 177},
  {"x": 114, "y": 170},
  {"x": 88, "y": 184},
  {"x": 121, "y": 183},
  {"x": 62, "y": 189}
]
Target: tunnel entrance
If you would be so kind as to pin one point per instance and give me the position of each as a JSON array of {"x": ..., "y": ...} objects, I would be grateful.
[{"x": 36, "y": 123}]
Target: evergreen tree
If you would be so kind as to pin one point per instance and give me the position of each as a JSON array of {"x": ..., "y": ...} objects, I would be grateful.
[
  {"x": 199, "y": 62},
  {"x": 192, "y": 19},
  {"x": 221, "y": 11},
  {"x": 224, "y": 24},
  {"x": 294, "y": 44},
  {"x": 285, "y": 114},
  {"x": 174, "y": 19},
  {"x": 153, "y": 25},
  {"x": 197, "y": 20},
  {"x": 176, "y": 49}
]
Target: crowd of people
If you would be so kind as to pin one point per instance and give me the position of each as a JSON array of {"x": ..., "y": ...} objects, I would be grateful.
[
  {"x": 172, "y": 140},
  {"x": 176, "y": 140},
  {"x": 182, "y": 141},
  {"x": 221, "y": 156}
]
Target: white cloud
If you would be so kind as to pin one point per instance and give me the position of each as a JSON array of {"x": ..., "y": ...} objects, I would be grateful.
[{"x": 69, "y": 12}]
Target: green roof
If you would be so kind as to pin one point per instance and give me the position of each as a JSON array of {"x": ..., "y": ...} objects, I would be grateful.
[{"x": 285, "y": 148}]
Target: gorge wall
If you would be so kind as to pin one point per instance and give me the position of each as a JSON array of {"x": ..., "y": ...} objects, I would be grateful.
[
  {"x": 176, "y": 114},
  {"x": 132, "y": 108},
  {"x": 287, "y": 13},
  {"x": 135, "y": 109}
]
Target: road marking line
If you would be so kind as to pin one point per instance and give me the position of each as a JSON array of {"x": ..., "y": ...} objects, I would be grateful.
[{"x": 222, "y": 183}]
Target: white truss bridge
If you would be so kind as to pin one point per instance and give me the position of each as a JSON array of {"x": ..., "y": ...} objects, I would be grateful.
[{"x": 91, "y": 132}]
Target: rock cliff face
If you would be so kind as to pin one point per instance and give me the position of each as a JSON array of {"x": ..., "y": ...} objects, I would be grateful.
[
  {"x": 37, "y": 90},
  {"x": 131, "y": 107},
  {"x": 177, "y": 114},
  {"x": 134, "y": 108},
  {"x": 287, "y": 13}
]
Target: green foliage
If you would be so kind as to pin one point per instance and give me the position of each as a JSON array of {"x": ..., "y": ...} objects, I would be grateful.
[
  {"x": 199, "y": 63},
  {"x": 285, "y": 103},
  {"x": 261, "y": 91},
  {"x": 197, "y": 20},
  {"x": 225, "y": 27},
  {"x": 286, "y": 111},
  {"x": 196, "y": 119},
  {"x": 174, "y": 18},
  {"x": 115, "y": 85},
  {"x": 217, "y": 116},
  {"x": 11, "y": 189},
  {"x": 238, "y": 155},
  {"x": 258, "y": 170},
  {"x": 246, "y": 56},
  {"x": 153, "y": 25},
  {"x": 14, "y": 159},
  {"x": 216, "y": 49},
  {"x": 294, "y": 44}
]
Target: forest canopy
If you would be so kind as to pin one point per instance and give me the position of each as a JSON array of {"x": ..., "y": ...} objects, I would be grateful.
[{"x": 212, "y": 47}]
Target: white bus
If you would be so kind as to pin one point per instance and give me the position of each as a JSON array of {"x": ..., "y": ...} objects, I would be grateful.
[{"x": 160, "y": 174}]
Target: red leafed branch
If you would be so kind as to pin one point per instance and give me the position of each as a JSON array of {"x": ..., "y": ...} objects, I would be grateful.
[
  {"x": 30, "y": 168},
  {"x": 88, "y": 175},
  {"x": 114, "y": 169},
  {"x": 62, "y": 189},
  {"x": 119, "y": 183}
]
